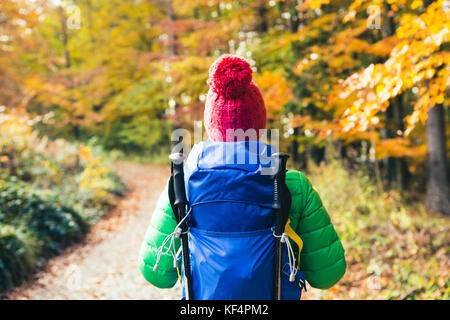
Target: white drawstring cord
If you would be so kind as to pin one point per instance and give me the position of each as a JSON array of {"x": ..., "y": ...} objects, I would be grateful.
[
  {"x": 284, "y": 238},
  {"x": 171, "y": 249}
]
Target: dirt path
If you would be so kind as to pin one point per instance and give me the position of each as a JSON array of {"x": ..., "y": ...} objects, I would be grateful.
[{"x": 105, "y": 265}]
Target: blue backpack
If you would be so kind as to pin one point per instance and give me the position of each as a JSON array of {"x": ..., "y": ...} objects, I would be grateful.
[{"x": 230, "y": 224}]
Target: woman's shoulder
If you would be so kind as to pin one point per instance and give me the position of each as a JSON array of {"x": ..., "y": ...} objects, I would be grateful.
[
  {"x": 297, "y": 182},
  {"x": 300, "y": 188}
]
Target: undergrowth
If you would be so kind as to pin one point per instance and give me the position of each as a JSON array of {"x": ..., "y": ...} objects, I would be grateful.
[{"x": 394, "y": 249}]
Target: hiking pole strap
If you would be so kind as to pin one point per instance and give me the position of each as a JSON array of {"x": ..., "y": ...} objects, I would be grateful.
[
  {"x": 281, "y": 205},
  {"x": 177, "y": 191}
]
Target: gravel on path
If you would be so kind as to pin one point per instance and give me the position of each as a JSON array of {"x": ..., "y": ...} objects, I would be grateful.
[{"x": 104, "y": 266}]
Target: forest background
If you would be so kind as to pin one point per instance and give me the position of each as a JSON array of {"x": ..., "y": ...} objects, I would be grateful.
[{"x": 358, "y": 89}]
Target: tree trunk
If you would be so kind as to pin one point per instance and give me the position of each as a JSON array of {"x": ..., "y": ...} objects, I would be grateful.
[
  {"x": 317, "y": 154},
  {"x": 262, "y": 12},
  {"x": 65, "y": 36},
  {"x": 294, "y": 20},
  {"x": 437, "y": 199},
  {"x": 171, "y": 31},
  {"x": 397, "y": 168}
]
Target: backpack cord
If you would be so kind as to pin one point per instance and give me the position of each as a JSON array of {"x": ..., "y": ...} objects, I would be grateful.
[
  {"x": 291, "y": 256},
  {"x": 171, "y": 249}
]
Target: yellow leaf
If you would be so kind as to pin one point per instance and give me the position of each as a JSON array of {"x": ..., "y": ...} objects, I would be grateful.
[
  {"x": 439, "y": 99},
  {"x": 415, "y": 4}
]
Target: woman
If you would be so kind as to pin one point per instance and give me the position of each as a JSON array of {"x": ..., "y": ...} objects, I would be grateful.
[{"x": 235, "y": 102}]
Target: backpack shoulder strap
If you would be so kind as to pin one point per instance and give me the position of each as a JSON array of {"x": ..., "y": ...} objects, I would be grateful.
[{"x": 296, "y": 238}]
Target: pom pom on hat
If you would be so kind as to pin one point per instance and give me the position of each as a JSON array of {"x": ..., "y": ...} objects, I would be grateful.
[{"x": 230, "y": 76}]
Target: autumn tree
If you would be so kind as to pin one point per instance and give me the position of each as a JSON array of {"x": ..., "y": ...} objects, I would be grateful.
[
  {"x": 417, "y": 63},
  {"x": 369, "y": 77},
  {"x": 18, "y": 21}
]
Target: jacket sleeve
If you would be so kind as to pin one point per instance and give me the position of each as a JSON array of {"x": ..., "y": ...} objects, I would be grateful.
[
  {"x": 162, "y": 224},
  {"x": 322, "y": 258}
]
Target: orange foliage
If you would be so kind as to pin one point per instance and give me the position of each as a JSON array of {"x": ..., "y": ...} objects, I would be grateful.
[{"x": 276, "y": 92}]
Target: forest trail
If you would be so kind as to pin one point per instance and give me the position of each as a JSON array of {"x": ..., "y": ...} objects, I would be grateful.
[{"x": 104, "y": 266}]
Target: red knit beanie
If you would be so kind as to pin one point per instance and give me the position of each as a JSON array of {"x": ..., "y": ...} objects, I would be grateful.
[{"x": 234, "y": 101}]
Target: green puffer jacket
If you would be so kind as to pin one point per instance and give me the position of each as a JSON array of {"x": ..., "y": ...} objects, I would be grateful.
[{"x": 322, "y": 258}]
